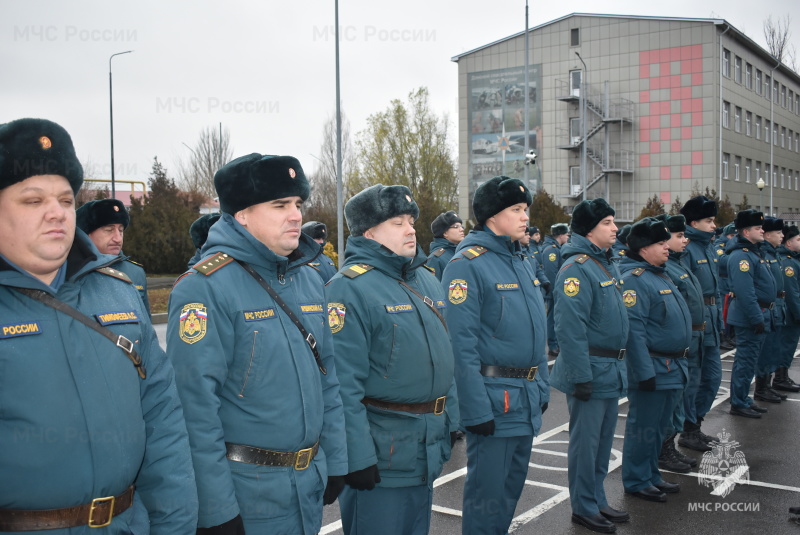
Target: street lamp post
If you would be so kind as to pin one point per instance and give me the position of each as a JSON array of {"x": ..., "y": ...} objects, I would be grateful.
[
  {"x": 584, "y": 90},
  {"x": 111, "y": 119},
  {"x": 760, "y": 185}
]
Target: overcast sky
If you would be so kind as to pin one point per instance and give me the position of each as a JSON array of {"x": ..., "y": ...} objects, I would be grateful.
[{"x": 265, "y": 70}]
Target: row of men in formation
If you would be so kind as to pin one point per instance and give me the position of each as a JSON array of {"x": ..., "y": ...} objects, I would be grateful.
[{"x": 279, "y": 394}]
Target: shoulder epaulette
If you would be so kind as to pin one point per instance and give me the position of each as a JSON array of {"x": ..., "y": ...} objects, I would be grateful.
[
  {"x": 354, "y": 271},
  {"x": 582, "y": 258},
  {"x": 473, "y": 252},
  {"x": 638, "y": 271},
  {"x": 212, "y": 264},
  {"x": 438, "y": 252},
  {"x": 429, "y": 268},
  {"x": 134, "y": 262},
  {"x": 111, "y": 272}
]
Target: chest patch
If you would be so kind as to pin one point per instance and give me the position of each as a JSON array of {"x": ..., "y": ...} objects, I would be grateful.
[
  {"x": 193, "y": 320},
  {"x": 258, "y": 315},
  {"x": 457, "y": 291},
  {"x": 571, "y": 286},
  {"x": 396, "y": 309},
  {"x": 336, "y": 314},
  {"x": 113, "y": 318},
  {"x": 20, "y": 329}
]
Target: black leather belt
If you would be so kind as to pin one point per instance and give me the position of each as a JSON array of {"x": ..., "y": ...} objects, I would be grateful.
[
  {"x": 300, "y": 460},
  {"x": 436, "y": 406},
  {"x": 766, "y": 304},
  {"x": 709, "y": 300},
  {"x": 670, "y": 355},
  {"x": 699, "y": 326},
  {"x": 96, "y": 514},
  {"x": 781, "y": 294},
  {"x": 618, "y": 354},
  {"x": 509, "y": 372}
]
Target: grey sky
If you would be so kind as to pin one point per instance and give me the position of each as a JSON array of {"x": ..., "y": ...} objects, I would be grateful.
[{"x": 263, "y": 69}]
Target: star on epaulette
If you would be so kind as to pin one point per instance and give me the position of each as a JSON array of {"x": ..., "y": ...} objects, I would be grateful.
[
  {"x": 354, "y": 271},
  {"x": 212, "y": 264},
  {"x": 638, "y": 271},
  {"x": 438, "y": 252},
  {"x": 473, "y": 252},
  {"x": 111, "y": 272},
  {"x": 582, "y": 258}
]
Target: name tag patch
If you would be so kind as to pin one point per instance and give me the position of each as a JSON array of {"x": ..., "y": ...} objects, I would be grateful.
[
  {"x": 258, "y": 315},
  {"x": 607, "y": 283},
  {"x": 311, "y": 308},
  {"x": 402, "y": 307},
  {"x": 510, "y": 286},
  {"x": 111, "y": 318},
  {"x": 704, "y": 261},
  {"x": 664, "y": 292},
  {"x": 20, "y": 329}
]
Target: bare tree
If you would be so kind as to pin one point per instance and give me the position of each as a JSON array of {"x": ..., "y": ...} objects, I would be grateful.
[
  {"x": 778, "y": 37},
  {"x": 211, "y": 151}
]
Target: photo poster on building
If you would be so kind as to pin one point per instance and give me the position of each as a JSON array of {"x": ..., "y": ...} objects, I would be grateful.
[{"x": 497, "y": 125}]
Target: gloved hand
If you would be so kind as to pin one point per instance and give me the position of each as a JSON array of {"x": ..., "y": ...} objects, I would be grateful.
[
  {"x": 583, "y": 391},
  {"x": 453, "y": 438},
  {"x": 544, "y": 406},
  {"x": 759, "y": 329},
  {"x": 363, "y": 479},
  {"x": 546, "y": 286},
  {"x": 332, "y": 489},
  {"x": 485, "y": 429},
  {"x": 648, "y": 385},
  {"x": 234, "y": 526}
]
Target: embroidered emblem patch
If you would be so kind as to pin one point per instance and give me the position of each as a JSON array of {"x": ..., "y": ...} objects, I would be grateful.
[
  {"x": 571, "y": 287},
  {"x": 457, "y": 291},
  {"x": 20, "y": 329},
  {"x": 402, "y": 307},
  {"x": 336, "y": 314},
  {"x": 258, "y": 315},
  {"x": 552, "y": 257},
  {"x": 720, "y": 252},
  {"x": 789, "y": 271},
  {"x": 311, "y": 308},
  {"x": 112, "y": 318},
  {"x": 193, "y": 319},
  {"x": 629, "y": 298},
  {"x": 744, "y": 265}
]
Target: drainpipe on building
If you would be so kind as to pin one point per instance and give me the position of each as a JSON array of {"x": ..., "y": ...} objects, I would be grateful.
[
  {"x": 772, "y": 131},
  {"x": 719, "y": 192}
]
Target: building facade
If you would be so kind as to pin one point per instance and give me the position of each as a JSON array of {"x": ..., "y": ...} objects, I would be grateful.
[{"x": 672, "y": 105}]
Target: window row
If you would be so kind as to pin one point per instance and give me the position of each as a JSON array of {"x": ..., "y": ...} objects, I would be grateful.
[
  {"x": 771, "y": 131},
  {"x": 738, "y": 168},
  {"x": 760, "y": 82}
]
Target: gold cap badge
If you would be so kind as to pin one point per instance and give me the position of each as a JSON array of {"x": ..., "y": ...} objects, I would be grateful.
[
  {"x": 45, "y": 142},
  {"x": 292, "y": 174}
]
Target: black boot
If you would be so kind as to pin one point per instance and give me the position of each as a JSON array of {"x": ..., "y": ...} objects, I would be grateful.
[
  {"x": 782, "y": 381},
  {"x": 725, "y": 342},
  {"x": 761, "y": 393},
  {"x": 685, "y": 459},
  {"x": 772, "y": 390},
  {"x": 667, "y": 459}
]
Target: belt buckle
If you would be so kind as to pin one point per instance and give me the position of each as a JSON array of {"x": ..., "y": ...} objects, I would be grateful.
[
  {"x": 439, "y": 404},
  {"x": 97, "y": 502},
  {"x": 125, "y": 344},
  {"x": 621, "y": 355},
  {"x": 303, "y": 459},
  {"x": 312, "y": 342},
  {"x": 532, "y": 373},
  {"x": 685, "y": 353}
]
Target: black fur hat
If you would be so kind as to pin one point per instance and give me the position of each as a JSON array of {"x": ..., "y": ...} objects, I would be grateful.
[
  {"x": 95, "y": 214},
  {"x": 199, "y": 229},
  {"x": 375, "y": 204},
  {"x": 771, "y": 223},
  {"x": 587, "y": 214},
  {"x": 533, "y": 230},
  {"x": 699, "y": 207},
  {"x": 31, "y": 147},
  {"x": 748, "y": 218},
  {"x": 674, "y": 223},
  {"x": 443, "y": 222},
  {"x": 646, "y": 232},
  {"x": 497, "y": 194},
  {"x": 316, "y": 230},
  {"x": 256, "y": 178},
  {"x": 559, "y": 229},
  {"x": 789, "y": 232},
  {"x": 623, "y": 233}
]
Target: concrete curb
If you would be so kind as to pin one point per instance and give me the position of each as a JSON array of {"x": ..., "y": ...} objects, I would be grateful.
[{"x": 159, "y": 318}]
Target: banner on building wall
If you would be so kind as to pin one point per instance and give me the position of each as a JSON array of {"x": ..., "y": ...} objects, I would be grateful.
[{"x": 497, "y": 125}]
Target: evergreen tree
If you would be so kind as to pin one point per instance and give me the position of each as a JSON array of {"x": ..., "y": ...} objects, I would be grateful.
[
  {"x": 545, "y": 212},
  {"x": 653, "y": 208}
]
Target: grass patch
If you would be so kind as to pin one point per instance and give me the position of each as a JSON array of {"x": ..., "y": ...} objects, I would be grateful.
[{"x": 159, "y": 299}]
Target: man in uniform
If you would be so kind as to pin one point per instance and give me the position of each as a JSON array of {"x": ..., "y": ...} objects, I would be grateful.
[
  {"x": 750, "y": 311},
  {"x": 91, "y": 428},
  {"x": 105, "y": 222},
  {"x": 497, "y": 324},
  {"x": 318, "y": 232},
  {"x": 551, "y": 262},
  {"x": 536, "y": 237},
  {"x": 254, "y": 359},
  {"x": 658, "y": 342},
  {"x": 700, "y": 213},
  {"x": 790, "y": 253},
  {"x": 396, "y": 367},
  {"x": 448, "y": 231},
  {"x": 199, "y": 234},
  {"x": 591, "y": 368},
  {"x": 727, "y": 340}
]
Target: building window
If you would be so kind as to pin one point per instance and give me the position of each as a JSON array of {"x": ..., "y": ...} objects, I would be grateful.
[
  {"x": 758, "y": 171},
  {"x": 748, "y": 76},
  {"x": 575, "y": 78},
  {"x": 574, "y": 36},
  {"x": 783, "y": 178},
  {"x": 726, "y": 63},
  {"x": 575, "y": 133},
  {"x": 783, "y": 95},
  {"x": 758, "y": 127},
  {"x": 775, "y": 85},
  {"x": 795, "y": 181},
  {"x": 775, "y": 134},
  {"x": 748, "y": 163},
  {"x": 790, "y": 102},
  {"x": 737, "y": 69},
  {"x": 737, "y": 164},
  {"x": 737, "y": 119},
  {"x": 575, "y": 180},
  {"x": 767, "y": 130},
  {"x": 797, "y": 142},
  {"x": 789, "y": 139},
  {"x": 783, "y": 137},
  {"x": 725, "y": 159},
  {"x": 726, "y": 111},
  {"x": 774, "y": 177},
  {"x": 767, "y": 86},
  {"x": 758, "y": 81},
  {"x": 748, "y": 119},
  {"x": 797, "y": 103}
]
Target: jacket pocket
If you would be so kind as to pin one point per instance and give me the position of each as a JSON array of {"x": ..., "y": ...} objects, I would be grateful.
[
  {"x": 505, "y": 397},
  {"x": 249, "y": 369},
  {"x": 397, "y": 440}
]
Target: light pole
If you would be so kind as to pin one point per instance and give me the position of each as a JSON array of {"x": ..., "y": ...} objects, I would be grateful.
[
  {"x": 772, "y": 131},
  {"x": 760, "y": 185},
  {"x": 584, "y": 90},
  {"x": 111, "y": 119},
  {"x": 526, "y": 94}
]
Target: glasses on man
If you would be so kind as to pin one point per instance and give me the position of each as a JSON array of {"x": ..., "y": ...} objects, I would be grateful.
[{"x": 457, "y": 226}]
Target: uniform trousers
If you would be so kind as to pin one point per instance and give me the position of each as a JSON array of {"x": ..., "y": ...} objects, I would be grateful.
[
  {"x": 769, "y": 359},
  {"x": 787, "y": 344},
  {"x": 552, "y": 340},
  {"x": 591, "y": 434},
  {"x": 748, "y": 348},
  {"x": 649, "y": 419},
  {"x": 386, "y": 510},
  {"x": 496, "y": 472},
  {"x": 710, "y": 379}
]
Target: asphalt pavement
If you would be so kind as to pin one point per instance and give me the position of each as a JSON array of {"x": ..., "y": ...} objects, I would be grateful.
[{"x": 723, "y": 494}]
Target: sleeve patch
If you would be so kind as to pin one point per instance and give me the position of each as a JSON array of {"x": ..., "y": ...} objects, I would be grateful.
[
  {"x": 193, "y": 320},
  {"x": 572, "y": 286},
  {"x": 629, "y": 298},
  {"x": 744, "y": 265},
  {"x": 336, "y": 314},
  {"x": 457, "y": 291}
]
